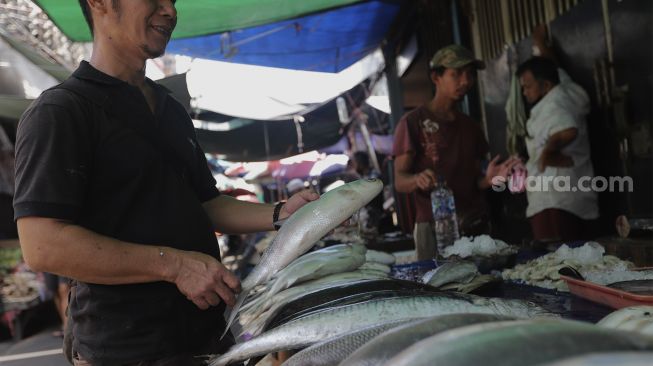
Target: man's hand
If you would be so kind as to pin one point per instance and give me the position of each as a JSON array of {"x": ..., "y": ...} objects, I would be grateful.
[
  {"x": 540, "y": 33},
  {"x": 552, "y": 153},
  {"x": 296, "y": 201},
  {"x": 503, "y": 170},
  {"x": 425, "y": 180},
  {"x": 204, "y": 280}
]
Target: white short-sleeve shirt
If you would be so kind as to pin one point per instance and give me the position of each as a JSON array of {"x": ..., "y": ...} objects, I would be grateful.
[{"x": 564, "y": 107}]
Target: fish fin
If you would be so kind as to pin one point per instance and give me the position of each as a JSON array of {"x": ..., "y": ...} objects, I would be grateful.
[{"x": 234, "y": 311}]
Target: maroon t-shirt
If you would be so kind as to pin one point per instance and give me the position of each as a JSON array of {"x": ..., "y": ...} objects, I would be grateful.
[{"x": 452, "y": 149}]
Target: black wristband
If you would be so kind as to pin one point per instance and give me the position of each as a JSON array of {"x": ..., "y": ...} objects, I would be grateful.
[{"x": 275, "y": 214}]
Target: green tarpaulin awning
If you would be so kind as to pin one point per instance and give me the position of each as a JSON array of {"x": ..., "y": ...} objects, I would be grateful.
[{"x": 199, "y": 17}]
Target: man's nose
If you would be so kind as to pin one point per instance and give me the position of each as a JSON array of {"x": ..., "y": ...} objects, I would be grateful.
[
  {"x": 167, "y": 8},
  {"x": 466, "y": 79}
]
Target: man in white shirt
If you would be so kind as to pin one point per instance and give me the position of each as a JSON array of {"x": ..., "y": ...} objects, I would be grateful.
[{"x": 560, "y": 201}]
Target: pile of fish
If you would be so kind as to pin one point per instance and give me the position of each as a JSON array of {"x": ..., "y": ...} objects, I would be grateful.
[
  {"x": 517, "y": 343},
  {"x": 303, "y": 229},
  {"x": 543, "y": 271},
  {"x": 329, "y": 267},
  {"x": 481, "y": 246},
  {"x": 322, "y": 323},
  {"x": 439, "y": 329},
  {"x": 337, "y": 306},
  {"x": 459, "y": 276}
]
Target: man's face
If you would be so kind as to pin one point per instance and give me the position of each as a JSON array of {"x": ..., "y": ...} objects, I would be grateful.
[
  {"x": 141, "y": 26},
  {"x": 455, "y": 83},
  {"x": 533, "y": 89}
]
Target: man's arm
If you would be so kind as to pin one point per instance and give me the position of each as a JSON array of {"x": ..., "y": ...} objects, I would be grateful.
[
  {"x": 540, "y": 41},
  {"x": 406, "y": 181},
  {"x": 232, "y": 216},
  {"x": 70, "y": 250},
  {"x": 552, "y": 153}
]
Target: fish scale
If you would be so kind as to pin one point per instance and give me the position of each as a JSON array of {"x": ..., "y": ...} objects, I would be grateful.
[
  {"x": 318, "y": 326},
  {"x": 389, "y": 344},
  {"x": 334, "y": 350},
  {"x": 518, "y": 343}
]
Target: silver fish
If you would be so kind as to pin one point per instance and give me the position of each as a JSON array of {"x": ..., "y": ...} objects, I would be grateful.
[
  {"x": 380, "y": 257},
  {"x": 517, "y": 343},
  {"x": 305, "y": 227},
  {"x": 460, "y": 272},
  {"x": 635, "y": 318},
  {"x": 605, "y": 359},
  {"x": 334, "y": 350},
  {"x": 318, "y": 326},
  {"x": 374, "y": 267},
  {"x": 257, "y": 317},
  {"x": 387, "y": 345},
  {"x": 315, "y": 265}
]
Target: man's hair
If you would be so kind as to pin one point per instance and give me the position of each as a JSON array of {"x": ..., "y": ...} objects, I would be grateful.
[
  {"x": 438, "y": 70},
  {"x": 86, "y": 10},
  {"x": 543, "y": 69}
]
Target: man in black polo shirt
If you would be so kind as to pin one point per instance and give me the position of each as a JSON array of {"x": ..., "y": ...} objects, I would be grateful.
[{"x": 113, "y": 191}]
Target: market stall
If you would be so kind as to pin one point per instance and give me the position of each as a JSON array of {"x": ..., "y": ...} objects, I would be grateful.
[
  {"x": 23, "y": 299},
  {"x": 338, "y": 303}
]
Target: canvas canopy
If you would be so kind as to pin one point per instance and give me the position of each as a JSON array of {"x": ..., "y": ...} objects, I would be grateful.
[{"x": 198, "y": 17}]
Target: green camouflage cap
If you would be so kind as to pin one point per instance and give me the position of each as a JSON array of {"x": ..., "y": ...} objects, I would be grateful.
[{"x": 453, "y": 57}]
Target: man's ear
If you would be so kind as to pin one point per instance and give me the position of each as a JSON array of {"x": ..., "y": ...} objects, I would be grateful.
[
  {"x": 434, "y": 77},
  {"x": 98, "y": 6},
  {"x": 547, "y": 86}
]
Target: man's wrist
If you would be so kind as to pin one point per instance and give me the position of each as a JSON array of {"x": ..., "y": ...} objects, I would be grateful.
[{"x": 169, "y": 262}]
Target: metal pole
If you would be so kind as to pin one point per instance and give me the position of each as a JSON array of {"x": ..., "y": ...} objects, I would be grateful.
[
  {"x": 457, "y": 40},
  {"x": 370, "y": 147},
  {"x": 395, "y": 95}
]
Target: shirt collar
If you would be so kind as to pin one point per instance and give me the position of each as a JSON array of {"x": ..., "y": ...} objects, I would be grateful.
[{"x": 86, "y": 71}]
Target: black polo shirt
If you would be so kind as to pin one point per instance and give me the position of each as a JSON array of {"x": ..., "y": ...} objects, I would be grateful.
[{"x": 91, "y": 151}]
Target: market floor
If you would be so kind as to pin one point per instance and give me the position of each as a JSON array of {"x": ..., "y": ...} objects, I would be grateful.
[{"x": 42, "y": 349}]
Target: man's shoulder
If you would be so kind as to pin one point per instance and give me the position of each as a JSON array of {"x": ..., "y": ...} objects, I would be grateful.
[
  {"x": 57, "y": 95},
  {"x": 56, "y": 103},
  {"x": 415, "y": 115}
]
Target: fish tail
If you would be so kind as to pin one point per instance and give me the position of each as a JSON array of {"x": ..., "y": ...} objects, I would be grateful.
[{"x": 234, "y": 311}]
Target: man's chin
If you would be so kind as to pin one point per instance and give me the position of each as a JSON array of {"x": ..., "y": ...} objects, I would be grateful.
[
  {"x": 152, "y": 52},
  {"x": 533, "y": 103},
  {"x": 459, "y": 97}
]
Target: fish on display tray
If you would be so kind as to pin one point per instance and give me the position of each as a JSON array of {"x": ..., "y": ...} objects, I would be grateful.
[
  {"x": 303, "y": 229},
  {"x": 334, "y": 350},
  {"x": 317, "y": 326},
  {"x": 390, "y": 343},
  {"x": 518, "y": 343}
]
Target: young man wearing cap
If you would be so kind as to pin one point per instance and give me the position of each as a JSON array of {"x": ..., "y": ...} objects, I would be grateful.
[{"x": 436, "y": 139}]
